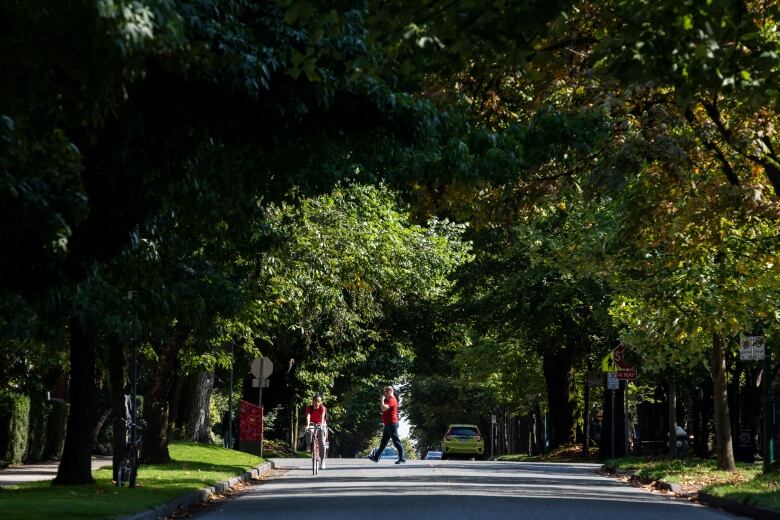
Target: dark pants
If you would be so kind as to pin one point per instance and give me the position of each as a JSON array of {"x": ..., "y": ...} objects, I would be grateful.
[{"x": 391, "y": 432}]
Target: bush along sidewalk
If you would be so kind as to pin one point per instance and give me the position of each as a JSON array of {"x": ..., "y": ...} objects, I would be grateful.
[
  {"x": 747, "y": 491},
  {"x": 160, "y": 487},
  {"x": 14, "y": 423}
]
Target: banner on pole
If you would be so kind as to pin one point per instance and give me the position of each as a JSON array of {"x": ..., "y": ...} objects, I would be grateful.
[{"x": 251, "y": 422}]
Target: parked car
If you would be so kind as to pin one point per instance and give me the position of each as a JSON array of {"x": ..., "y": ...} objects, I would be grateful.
[
  {"x": 463, "y": 440},
  {"x": 433, "y": 455},
  {"x": 387, "y": 453}
]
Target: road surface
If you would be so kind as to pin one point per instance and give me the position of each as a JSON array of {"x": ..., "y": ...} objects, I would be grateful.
[{"x": 355, "y": 489}]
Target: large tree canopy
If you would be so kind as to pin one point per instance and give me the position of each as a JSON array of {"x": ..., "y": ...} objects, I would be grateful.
[{"x": 284, "y": 175}]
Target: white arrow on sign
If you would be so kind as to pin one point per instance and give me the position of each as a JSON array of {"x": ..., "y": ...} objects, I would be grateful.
[{"x": 263, "y": 364}]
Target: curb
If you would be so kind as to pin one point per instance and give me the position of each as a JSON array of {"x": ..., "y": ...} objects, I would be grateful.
[
  {"x": 737, "y": 507},
  {"x": 666, "y": 486},
  {"x": 201, "y": 495}
]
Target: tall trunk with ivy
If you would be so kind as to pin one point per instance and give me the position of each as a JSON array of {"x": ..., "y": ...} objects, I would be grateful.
[{"x": 724, "y": 448}]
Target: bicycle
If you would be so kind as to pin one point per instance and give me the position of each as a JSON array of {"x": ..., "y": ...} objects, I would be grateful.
[
  {"x": 128, "y": 467},
  {"x": 317, "y": 435}
]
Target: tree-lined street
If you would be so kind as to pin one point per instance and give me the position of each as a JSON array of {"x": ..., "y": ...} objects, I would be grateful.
[{"x": 556, "y": 222}]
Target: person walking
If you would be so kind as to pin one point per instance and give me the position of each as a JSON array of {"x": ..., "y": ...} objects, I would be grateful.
[{"x": 389, "y": 406}]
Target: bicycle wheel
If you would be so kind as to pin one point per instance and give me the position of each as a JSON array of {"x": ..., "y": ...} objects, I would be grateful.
[
  {"x": 132, "y": 460},
  {"x": 123, "y": 474}
]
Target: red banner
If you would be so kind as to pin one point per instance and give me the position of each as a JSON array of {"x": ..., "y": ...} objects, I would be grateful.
[{"x": 251, "y": 422}]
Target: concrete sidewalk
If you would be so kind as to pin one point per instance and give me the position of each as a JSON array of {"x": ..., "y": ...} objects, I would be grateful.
[{"x": 43, "y": 471}]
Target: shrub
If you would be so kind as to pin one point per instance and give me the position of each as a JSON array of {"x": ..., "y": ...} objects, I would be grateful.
[
  {"x": 55, "y": 430},
  {"x": 14, "y": 424},
  {"x": 40, "y": 410}
]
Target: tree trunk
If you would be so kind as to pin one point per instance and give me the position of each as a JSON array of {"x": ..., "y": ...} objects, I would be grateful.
[
  {"x": 702, "y": 432},
  {"x": 155, "y": 439},
  {"x": 177, "y": 408},
  {"x": 198, "y": 427},
  {"x": 116, "y": 378},
  {"x": 293, "y": 425},
  {"x": 76, "y": 464},
  {"x": 725, "y": 448},
  {"x": 103, "y": 416},
  {"x": 672, "y": 422},
  {"x": 559, "y": 378}
]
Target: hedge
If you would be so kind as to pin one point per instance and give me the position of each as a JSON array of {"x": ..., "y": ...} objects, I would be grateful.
[
  {"x": 14, "y": 427},
  {"x": 40, "y": 410},
  {"x": 55, "y": 430}
]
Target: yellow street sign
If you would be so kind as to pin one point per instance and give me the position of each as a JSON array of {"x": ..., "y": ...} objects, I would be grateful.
[{"x": 608, "y": 363}]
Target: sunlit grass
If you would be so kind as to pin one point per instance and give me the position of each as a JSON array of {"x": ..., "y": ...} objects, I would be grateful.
[
  {"x": 568, "y": 453},
  {"x": 194, "y": 466},
  {"x": 762, "y": 491},
  {"x": 747, "y": 485},
  {"x": 684, "y": 471}
]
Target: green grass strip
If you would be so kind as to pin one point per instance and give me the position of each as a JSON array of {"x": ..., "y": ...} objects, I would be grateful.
[
  {"x": 748, "y": 485},
  {"x": 763, "y": 492},
  {"x": 194, "y": 467}
]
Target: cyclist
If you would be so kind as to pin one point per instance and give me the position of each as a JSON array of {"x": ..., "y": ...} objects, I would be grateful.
[{"x": 316, "y": 413}]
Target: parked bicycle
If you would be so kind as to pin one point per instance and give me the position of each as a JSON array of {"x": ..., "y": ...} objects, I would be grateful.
[
  {"x": 128, "y": 467},
  {"x": 318, "y": 447}
]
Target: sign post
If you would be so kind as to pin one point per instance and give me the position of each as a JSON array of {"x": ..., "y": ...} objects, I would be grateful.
[
  {"x": 261, "y": 368},
  {"x": 617, "y": 369},
  {"x": 769, "y": 418},
  {"x": 753, "y": 348}
]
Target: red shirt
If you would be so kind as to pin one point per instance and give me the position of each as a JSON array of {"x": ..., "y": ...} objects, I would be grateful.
[
  {"x": 390, "y": 416},
  {"x": 317, "y": 414}
]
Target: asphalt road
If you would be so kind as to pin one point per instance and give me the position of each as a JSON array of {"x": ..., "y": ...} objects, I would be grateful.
[{"x": 353, "y": 489}]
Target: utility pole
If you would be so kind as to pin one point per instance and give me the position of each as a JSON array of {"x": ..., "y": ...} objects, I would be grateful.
[
  {"x": 586, "y": 418},
  {"x": 260, "y": 404}
]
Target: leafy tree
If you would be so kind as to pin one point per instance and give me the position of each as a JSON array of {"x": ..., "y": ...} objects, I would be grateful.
[{"x": 345, "y": 267}]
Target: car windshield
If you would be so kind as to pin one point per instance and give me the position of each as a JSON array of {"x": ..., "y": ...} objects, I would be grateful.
[{"x": 463, "y": 431}]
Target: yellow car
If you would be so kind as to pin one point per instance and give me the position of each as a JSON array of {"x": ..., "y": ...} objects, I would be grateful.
[{"x": 462, "y": 440}]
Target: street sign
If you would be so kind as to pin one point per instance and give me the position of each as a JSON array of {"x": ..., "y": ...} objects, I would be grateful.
[
  {"x": 620, "y": 358},
  {"x": 613, "y": 383},
  {"x": 608, "y": 363},
  {"x": 595, "y": 377},
  {"x": 751, "y": 348},
  {"x": 263, "y": 364},
  {"x": 618, "y": 354},
  {"x": 493, "y": 419},
  {"x": 616, "y": 362},
  {"x": 256, "y": 383}
]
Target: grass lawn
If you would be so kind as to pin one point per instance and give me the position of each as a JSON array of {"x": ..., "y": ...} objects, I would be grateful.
[
  {"x": 763, "y": 491},
  {"x": 570, "y": 453},
  {"x": 194, "y": 466},
  {"x": 747, "y": 485},
  {"x": 280, "y": 449}
]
